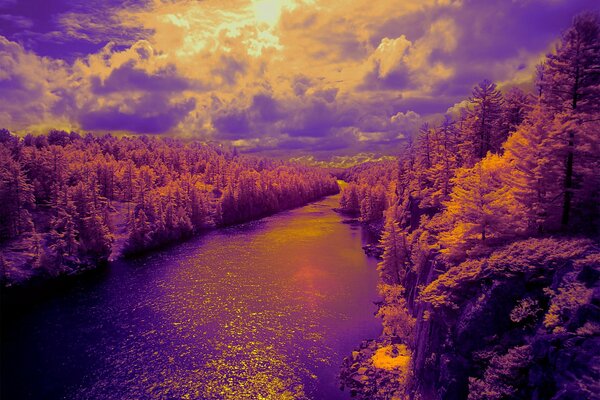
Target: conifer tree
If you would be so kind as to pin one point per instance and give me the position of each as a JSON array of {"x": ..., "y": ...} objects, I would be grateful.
[
  {"x": 535, "y": 152},
  {"x": 517, "y": 105},
  {"x": 392, "y": 268},
  {"x": 139, "y": 233},
  {"x": 570, "y": 87},
  {"x": 442, "y": 171},
  {"x": 483, "y": 124},
  {"x": 481, "y": 206},
  {"x": 16, "y": 197}
]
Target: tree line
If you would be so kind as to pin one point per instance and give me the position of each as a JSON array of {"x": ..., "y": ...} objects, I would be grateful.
[{"x": 69, "y": 200}]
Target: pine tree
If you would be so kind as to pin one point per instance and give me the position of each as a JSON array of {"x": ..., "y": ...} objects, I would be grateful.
[
  {"x": 350, "y": 201},
  {"x": 570, "y": 87},
  {"x": 16, "y": 197},
  {"x": 198, "y": 209},
  {"x": 392, "y": 269},
  {"x": 63, "y": 237},
  {"x": 483, "y": 124},
  {"x": 517, "y": 105},
  {"x": 535, "y": 152},
  {"x": 139, "y": 233},
  {"x": 3, "y": 269},
  {"x": 442, "y": 171},
  {"x": 481, "y": 206},
  {"x": 424, "y": 148}
]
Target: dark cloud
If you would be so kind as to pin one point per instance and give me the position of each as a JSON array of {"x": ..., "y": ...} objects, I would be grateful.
[
  {"x": 339, "y": 35},
  {"x": 395, "y": 80},
  {"x": 316, "y": 118},
  {"x": 432, "y": 105},
  {"x": 311, "y": 105},
  {"x": 319, "y": 122},
  {"x": 17, "y": 21},
  {"x": 232, "y": 125},
  {"x": 230, "y": 68},
  {"x": 266, "y": 108},
  {"x": 300, "y": 84},
  {"x": 328, "y": 95},
  {"x": 153, "y": 114},
  {"x": 129, "y": 78},
  {"x": 68, "y": 29}
]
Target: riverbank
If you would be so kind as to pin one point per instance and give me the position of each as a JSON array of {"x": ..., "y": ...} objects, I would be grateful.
[
  {"x": 70, "y": 202},
  {"x": 373, "y": 230},
  {"x": 22, "y": 268}
]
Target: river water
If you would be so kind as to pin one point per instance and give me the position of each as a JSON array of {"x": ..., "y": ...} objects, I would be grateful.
[{"x": 267, "y": 309}]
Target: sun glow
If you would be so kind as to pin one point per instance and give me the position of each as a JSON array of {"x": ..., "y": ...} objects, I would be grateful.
[
  {"x": 207, "y": 27},
  {"x": 267, "y": 11}
]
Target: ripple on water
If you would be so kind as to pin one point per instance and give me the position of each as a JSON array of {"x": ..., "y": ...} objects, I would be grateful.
[{"x": 264, "y": 311}]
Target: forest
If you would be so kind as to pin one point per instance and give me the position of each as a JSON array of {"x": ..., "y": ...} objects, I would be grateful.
[
  {"x": 489, "y": 278},
  {"x": 70, "y": 202}
]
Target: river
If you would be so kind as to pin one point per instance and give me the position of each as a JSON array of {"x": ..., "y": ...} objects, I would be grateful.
[{"x": 267, "y": 309}]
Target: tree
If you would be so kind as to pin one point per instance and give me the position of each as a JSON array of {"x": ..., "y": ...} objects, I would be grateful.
[
  {"x": 424, "y": 148},
  {"x": 481, "y": 206},
  {"x": 483, "y": 124},
  {"x": 3, "y": 269},
  {"x": 392, "y": 269},
  {"x": 349, "y": 201},
  {"x": 95, "y": 238},
  {"x": 396, "y": 320},
  {"x": 445, "y": 162},
  {"x": 517, "y": 105},
  {"x": 535, "y": 151},
  {"x": 16, "y": 197},
  {"x": 570, "y": 87},
  {"x": 64, "y": 237},
  {"x": 139, "y": 233}
]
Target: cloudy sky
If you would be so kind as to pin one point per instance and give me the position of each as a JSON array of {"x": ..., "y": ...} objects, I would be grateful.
[{"x": 316, "y": 77}]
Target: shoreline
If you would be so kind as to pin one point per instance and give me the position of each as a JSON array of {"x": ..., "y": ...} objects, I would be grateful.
[{"x": 47, "y": 283}]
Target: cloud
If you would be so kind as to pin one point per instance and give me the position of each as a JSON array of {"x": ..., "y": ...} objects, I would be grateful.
[
  {"x": 30, "y": 87},
  {"x": 406, "y": 123},
  {"x": 401, "y": 64},
  {"x": 151, "y": 114},
  {"x": 266, "y": 108},
  {"x": 129, "y": 78},
  {"x": 232, "y": 125},
  {"x": 265, "y": 75},
  {"x": 68, "y": 30},
  {"x": 17, "y": 21}
]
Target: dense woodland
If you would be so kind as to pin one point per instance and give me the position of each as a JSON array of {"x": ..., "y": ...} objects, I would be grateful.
[
  {"x": 69, "y": 202},
  {"x": 366, "y": 195},
  {"x": 491, "y": 264}
]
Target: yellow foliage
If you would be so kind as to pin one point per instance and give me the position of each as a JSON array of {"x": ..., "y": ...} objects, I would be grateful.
[
  {"x": 395, "y": 357},
  {"x": 392, "y": 357}
]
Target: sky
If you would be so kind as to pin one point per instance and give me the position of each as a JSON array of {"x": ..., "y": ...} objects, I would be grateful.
[{"x": 310, "y": 78}]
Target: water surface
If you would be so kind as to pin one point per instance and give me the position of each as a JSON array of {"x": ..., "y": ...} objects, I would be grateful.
[{"x": 267, "y": 309}]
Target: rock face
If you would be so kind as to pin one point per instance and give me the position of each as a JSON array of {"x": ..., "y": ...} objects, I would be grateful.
[
  {"x": 373, "y": 250},
  {"x": 522, "y": 322},
  {"x": 378, "y": 370}
]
